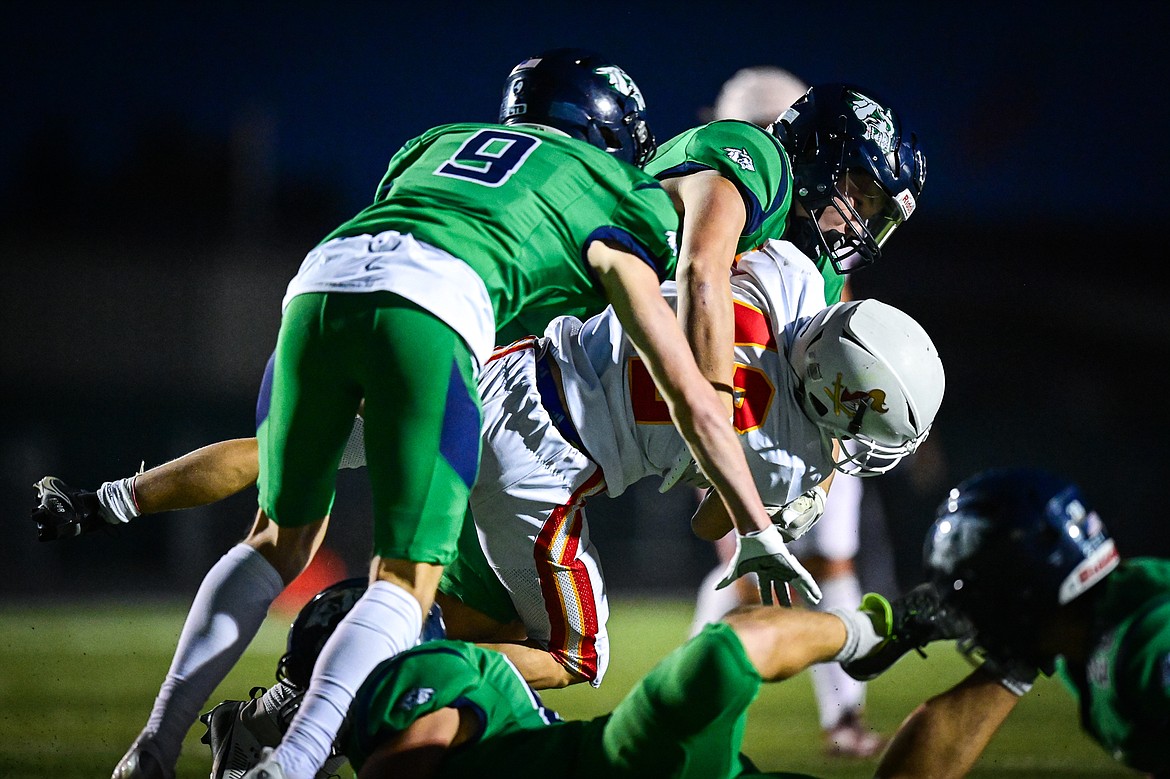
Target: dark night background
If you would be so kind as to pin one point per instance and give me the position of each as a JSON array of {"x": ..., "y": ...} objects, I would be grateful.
[{"x": 165, "y": 166}]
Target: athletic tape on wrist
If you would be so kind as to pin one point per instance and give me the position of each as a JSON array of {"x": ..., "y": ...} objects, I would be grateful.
[{"x": 117, "y": 500}]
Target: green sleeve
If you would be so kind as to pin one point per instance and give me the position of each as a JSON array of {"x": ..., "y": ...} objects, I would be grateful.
[{"x": 748, "y": 156}]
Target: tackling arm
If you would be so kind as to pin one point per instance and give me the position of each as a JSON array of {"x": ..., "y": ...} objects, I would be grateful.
[
  {"x": 946, "y": 735},
  {"x": 713, "y": 218},
  {"x": 632, "y": 289},
  {"x": 417, "y": 752}
]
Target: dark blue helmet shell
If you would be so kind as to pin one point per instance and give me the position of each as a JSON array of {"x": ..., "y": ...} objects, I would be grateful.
[
  {"x": 313, "y": 626},
  {"x": 579, "y": 93},
  {"x": 1010, "y": 546},
  {"x": 317, "y": 620},
  {"x": 837, "y": 128}
]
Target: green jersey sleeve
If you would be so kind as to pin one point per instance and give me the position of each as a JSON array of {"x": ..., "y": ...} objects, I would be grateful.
[
  {"x": 747, "y": 156},
  {"x": 753, "y": 160}
]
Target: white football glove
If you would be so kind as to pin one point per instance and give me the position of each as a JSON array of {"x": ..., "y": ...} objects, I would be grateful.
[
  {"x": 763, "y": 553},
  {"x": 797, "y": 517}
]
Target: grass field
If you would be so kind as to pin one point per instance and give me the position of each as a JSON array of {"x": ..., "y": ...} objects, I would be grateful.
[{"x": 76, "y": 684}]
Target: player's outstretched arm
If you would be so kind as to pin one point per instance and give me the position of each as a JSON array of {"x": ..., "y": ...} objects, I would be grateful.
[
  {"x": 198, "y": 478},
  {"x": 945, "y": 736},
  {"x": 632, "y": 289},
  {"x": 195, "y": 479},
  {"x": 713, "y": 218}
]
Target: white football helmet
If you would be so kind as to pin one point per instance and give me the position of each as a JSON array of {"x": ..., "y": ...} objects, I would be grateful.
[{"x": 869, "y": 374}]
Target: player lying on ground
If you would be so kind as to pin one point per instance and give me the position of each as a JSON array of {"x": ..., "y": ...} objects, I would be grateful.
[
  {"x": 448, "y": 708},
  {"x": 527, "y": 571},
  {"x": 1024, "y": 574}
]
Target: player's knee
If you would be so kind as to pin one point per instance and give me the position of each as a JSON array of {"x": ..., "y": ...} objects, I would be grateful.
[{"x": 714, "y": 668}]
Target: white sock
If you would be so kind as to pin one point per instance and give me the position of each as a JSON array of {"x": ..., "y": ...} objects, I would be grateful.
[
  {"x": 385, "y": 621},
  {"x": 223, "y": 619},
  {"x": 836, "y": 691}
]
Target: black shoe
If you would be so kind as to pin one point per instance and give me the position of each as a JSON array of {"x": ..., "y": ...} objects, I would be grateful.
[
  {"x": 919, "y": 617},
  {"x": 64, "y": 512}
]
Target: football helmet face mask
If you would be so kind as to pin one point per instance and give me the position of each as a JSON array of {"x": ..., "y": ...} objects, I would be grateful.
[
  {"x": 871, "y": 378},
  {"x": 579, "y": 93},
  {"x": 1010, "y": 546},
  {"x": 848, "y": 148}
]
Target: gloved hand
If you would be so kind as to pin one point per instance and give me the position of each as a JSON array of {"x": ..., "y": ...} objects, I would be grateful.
[
  {"x": 797, "y": 517},
  {"x": 763, "y": 552},
  {"x": 64, "y": 512}
]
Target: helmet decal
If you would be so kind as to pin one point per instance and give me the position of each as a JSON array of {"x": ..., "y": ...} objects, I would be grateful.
[
  {"x": 849, "y": 402},
  {"x": 1090, "y": 571},
  {"x": 741, "y": 158},
  {"x": 878, "y": 123},
  {"x": 622, "y": 83},
  {"x": 514, "y": 104}
]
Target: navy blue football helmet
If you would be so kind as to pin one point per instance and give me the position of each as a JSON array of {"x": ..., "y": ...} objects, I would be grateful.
[
  {"x": 1008, "y": 548},
  {"x": 578, "y": 92},
  {"x": 839, "y": 137},
  {"x": 317, "y": 620}
]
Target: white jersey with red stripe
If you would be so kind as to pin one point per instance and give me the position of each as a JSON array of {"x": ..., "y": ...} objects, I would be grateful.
[{"x": 624, "y": 423}]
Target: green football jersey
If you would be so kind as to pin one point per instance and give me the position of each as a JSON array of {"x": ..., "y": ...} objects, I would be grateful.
[
  {"x": 684, "y": 719},
  {"x": 752, "y": 159},
  {"x": 1124, "y": 688},
  {"x": 435, "y": 675},
  {"x": 520, "y": 205}
]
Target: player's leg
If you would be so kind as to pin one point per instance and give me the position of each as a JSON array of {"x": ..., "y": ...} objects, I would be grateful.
[
  {"x": 234, "y": 597},
  {"x": 528, "y": 509},
  {"x": 686, "y": 717},
  {"x": 422, "y": 431}
]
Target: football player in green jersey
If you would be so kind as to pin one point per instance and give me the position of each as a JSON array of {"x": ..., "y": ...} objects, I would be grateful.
[
  {"x": 1022, "y": 557},
  {"x": 834, "y": 174},
  {"x": 760, "y": 95},
  {"x": 452, "y": 708},
  {"x": 397, "y": 309}
]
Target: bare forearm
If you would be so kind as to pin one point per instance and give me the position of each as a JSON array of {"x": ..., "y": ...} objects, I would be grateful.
[
  {"x": 713, "y": 217},
  {"x": 539, "y": 668},
  {"x": 718, "y": 452},
  {"x": 706, "y": 314},
  {"x": 945, "y": 736},
  {"x": 204, "y": 476}
]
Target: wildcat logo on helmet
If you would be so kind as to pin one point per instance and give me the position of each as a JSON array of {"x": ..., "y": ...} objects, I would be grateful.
[
  {"x": 848, "y": 402},
  {"x": 740, "y": 157},
  {"x": 622, "y": 83},
  {"x": 878, "y": 121}
]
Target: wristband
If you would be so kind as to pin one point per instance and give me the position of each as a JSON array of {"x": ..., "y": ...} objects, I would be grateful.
[{"x": 117, "y": 500}]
